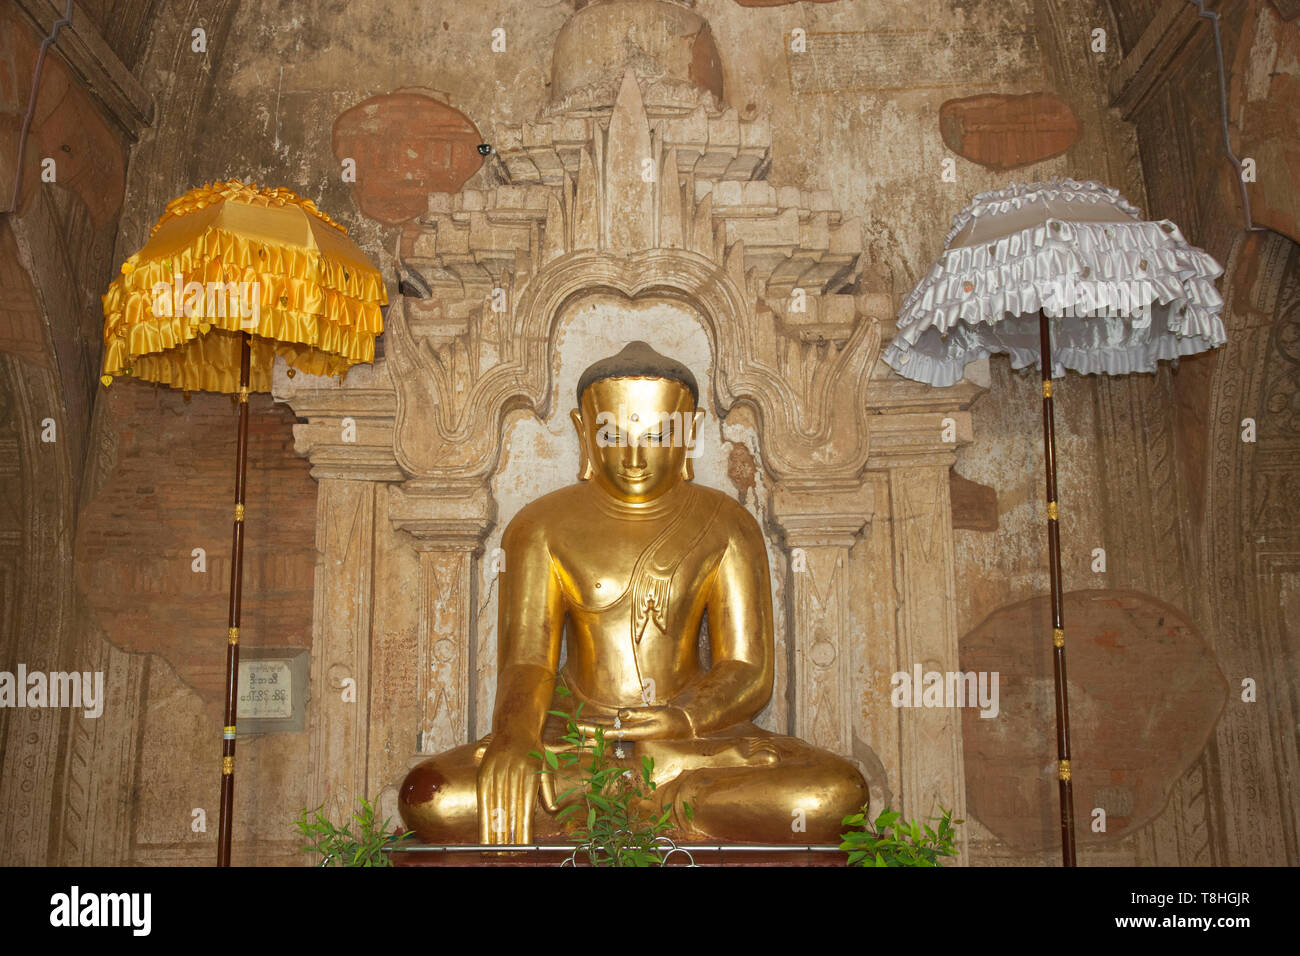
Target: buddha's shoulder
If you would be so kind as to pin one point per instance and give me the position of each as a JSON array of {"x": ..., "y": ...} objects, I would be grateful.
[
  {"x": 552, "y": 512},
  {"x": 548, "y": 512},
  {"x": 729, "y": 514}
]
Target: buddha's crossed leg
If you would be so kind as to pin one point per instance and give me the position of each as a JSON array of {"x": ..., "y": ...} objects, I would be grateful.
[{"x": 742, "y": 785}]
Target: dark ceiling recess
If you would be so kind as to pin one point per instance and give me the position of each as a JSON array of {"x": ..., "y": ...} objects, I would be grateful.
[
  {"x": 1290, "y": 9},
  {"x": 125, "y": 27}
]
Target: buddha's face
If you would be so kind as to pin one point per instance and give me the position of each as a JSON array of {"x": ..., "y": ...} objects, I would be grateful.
[{"x": 638, "y": 435}]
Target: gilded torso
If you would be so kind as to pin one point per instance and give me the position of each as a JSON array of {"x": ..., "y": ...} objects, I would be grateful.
[{"x": 635, "y": 584}]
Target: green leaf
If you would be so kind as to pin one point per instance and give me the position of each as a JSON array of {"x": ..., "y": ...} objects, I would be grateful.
[{"x": 552, "y": 761}]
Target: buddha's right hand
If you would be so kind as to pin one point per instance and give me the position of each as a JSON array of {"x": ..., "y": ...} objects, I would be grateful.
[{"x": 507, "y": 791}]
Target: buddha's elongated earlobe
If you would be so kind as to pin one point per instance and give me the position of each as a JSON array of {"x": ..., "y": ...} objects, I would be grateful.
[
  {"x": 692, "y": 432},
  {"x": 586, "y": 468}
]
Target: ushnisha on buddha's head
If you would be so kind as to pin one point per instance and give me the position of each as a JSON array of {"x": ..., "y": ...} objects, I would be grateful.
[{"x": 636, "y": 420}]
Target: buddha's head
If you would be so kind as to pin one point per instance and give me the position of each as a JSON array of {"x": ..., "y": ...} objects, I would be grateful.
[{"x": 636, "y": 420}]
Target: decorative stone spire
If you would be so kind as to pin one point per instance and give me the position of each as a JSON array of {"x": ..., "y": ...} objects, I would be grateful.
[{"x": 665, "y": 44}]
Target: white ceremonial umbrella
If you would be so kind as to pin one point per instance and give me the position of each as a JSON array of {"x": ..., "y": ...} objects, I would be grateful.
[{"x": 1065, "y": 275}]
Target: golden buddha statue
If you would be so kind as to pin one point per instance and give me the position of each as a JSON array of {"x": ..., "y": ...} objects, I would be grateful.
[{"x": 634, "y": 555}]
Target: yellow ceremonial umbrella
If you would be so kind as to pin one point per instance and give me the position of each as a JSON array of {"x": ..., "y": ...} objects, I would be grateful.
[{"x": 232, "y": 276}]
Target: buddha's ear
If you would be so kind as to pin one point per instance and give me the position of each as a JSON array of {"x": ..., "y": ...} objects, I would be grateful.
[
  {"x": 692, "y": 433},
  {"x": 586, "y": 470}
]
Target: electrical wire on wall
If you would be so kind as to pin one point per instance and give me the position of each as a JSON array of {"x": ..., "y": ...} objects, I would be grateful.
[
  {"x": 31, "y": 104},
  {"x": 1213, "y": 17}
]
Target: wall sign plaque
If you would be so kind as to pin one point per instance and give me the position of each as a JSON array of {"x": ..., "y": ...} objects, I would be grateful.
[{"x": 272, "y": 690}]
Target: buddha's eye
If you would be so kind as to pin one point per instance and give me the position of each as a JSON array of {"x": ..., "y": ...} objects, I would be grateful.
[{"x": 655, "y": 439}]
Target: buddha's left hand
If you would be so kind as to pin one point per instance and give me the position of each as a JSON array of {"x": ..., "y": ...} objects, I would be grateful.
[{"x": 665, "y": 722}]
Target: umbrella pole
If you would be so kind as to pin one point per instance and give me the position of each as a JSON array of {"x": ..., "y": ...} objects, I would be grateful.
[
  {"x": 232, "y": 643},
  {"x": 1058, "y": 622}
]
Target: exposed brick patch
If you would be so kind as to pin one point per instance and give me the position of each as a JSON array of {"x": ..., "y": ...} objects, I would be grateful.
[
  {"x": 172, "y": 490},
  {"x": 406, "y": 145},
  {"x": 974, "y": 506},
  {"x": 1003, "y": 132},
  {"x": 741, "y": 469},
  {"x": 1145, "y": 693}
]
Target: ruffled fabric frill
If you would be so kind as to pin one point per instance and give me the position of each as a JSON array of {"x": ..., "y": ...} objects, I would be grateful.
[
  {"x": 1123, "y": 295},
  {"x": 175, "y": 313}
]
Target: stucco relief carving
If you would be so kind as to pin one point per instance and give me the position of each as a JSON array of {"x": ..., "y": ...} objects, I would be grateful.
[{"x": 501, "y": 264}]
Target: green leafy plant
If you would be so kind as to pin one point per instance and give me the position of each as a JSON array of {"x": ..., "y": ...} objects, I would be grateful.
[
  {"x": 339, "y": 846},
  {"x": 892, "y": 841},
  {"x": 610, "y": 803}
]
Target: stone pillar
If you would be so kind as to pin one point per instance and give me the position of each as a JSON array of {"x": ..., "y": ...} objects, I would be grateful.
[
  {"x": 933, "y": 772},
  {"x": 348, "y": 437},
  {"x": 916, "y": 447},
  {"x": 823, "y": 523},
  {"x": 449, "y": 524},
  {"x": 339, "y": 711}
]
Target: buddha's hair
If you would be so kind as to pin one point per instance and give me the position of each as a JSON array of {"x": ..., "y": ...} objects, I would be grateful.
[{"x": 638, "y": 360}]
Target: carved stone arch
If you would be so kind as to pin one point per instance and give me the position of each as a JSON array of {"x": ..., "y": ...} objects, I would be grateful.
[
  {"x": 1250, "y": 543},
  {"x": 48, "y": 755},
  {"x": 672, "y": 274},
  {"x": 35, "y": 581},
  {"x": 792, "y": 427},
  {"x": 817, "y": 432}
]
